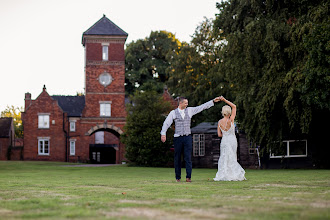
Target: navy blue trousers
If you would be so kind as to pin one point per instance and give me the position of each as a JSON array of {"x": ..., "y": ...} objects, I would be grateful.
[{"x": 182, "y": 143}]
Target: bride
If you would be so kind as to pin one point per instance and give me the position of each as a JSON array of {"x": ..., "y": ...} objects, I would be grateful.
[{"x": 228, "y": 167}]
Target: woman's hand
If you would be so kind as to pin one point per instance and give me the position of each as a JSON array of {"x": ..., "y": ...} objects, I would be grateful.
[{"x": 217, "y": 99}]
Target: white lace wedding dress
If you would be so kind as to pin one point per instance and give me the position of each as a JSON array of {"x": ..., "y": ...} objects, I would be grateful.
[{"x": 228, "y": 167}]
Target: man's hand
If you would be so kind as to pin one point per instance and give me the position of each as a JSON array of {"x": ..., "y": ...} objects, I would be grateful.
[{"x": 163, "y": 138}]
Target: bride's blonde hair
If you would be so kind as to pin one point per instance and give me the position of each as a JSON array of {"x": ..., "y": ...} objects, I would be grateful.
[{"x": 226, "y": 110}]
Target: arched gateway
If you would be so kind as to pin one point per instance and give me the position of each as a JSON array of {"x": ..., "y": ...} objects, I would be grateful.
[
  {"x": 102, "y": 127},
  {"x": 106, "y": 146}
]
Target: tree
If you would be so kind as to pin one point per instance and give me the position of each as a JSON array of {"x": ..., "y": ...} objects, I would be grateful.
[
  {"x": 148, "y": 61},
  {"x": 142, "y": 130},
  {"x": 193, "y": 72},
  {"x": 15, "y": 113},
  {"x": 277, "y": 63}
]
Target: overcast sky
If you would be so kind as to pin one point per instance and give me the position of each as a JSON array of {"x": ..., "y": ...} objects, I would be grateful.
[{"x": 41, "y": 39}]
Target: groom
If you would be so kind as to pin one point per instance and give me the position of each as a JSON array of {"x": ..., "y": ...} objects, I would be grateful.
[{"x": 182, "y": 138}]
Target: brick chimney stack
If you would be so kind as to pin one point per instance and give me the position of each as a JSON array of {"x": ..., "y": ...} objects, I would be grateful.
[{"x": 27, "y": 100}]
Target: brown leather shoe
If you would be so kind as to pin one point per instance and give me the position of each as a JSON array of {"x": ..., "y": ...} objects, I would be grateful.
[
  {"x": 188, "y": 180},
  {"x": 178, "y": 180}
]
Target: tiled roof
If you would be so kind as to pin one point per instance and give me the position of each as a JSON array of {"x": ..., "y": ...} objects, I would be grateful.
[
  {"x": 73, "y": 105},
  {"x": 105, "y": 27},
  {"x": 5, "y": 125},
  {"x": 205, "y": 127}
]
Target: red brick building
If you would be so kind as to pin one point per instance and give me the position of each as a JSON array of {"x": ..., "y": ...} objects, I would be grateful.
[
  {"x": 83, "y": 128},
  {"x": 7, "y": 137}
]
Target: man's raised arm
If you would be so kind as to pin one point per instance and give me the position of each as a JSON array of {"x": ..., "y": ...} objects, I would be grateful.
[{"x": 198, "y": 109}]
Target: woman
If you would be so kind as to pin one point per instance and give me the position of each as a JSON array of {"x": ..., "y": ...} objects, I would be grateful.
[{"x": 228, "y": 167}]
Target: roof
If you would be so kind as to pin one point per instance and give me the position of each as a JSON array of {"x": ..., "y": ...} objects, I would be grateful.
[
  {"x": 5, "y": 126},
  {"x": 105, "y": 27},
  {"x": 73, "y": 105},
  {"x": 205, "y": 127}
]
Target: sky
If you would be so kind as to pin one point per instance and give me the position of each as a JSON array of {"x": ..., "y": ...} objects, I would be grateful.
[{"x": 41, "y": 39}]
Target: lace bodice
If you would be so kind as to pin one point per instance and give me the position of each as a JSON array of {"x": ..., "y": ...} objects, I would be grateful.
[{"x": 230, "y": 131}]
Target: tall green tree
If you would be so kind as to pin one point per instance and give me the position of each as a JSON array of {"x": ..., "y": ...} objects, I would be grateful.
[
  {"x": 142, "y": 130},
  {"x": 277, "y": 64},
  {"x": 148, "y": 61},
  {"x": 15, "y": 113},
  {"x": 193, "y": 71}
]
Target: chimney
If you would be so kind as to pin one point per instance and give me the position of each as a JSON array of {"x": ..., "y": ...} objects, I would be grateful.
[
  {"x": 27, "y": 100},
  {"x": 44, "y": 89}
]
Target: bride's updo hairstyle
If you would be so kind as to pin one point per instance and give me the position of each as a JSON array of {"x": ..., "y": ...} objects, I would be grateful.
[{"x": 226, "y": 110}]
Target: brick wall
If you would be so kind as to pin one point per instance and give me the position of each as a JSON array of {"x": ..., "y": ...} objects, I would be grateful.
[
  {"x": 4, "y": 144},
  {"x": 116, "y": 71},
  {"x": 44, "y": 104},
  {"x": 115, "y": 52}
]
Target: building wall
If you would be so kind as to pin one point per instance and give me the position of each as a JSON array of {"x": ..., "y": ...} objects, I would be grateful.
[
  {"x": 44, "y": 104},
  {"x": 212, "y": 153},
  {"x": 83, "y": 140},
  {"x": 4, "y": 144},
  {"x": 94, "y": 50},
  {"x": 246, "y": 158},
  {"x": 7, "y": 144}
]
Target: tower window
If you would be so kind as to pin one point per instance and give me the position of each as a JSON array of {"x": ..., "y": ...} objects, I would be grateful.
[
  {"x": 105, "y": 53},
  {"x": 105, "y": 109}
]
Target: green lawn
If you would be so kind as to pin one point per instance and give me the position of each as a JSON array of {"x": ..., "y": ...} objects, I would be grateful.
[{"x": 44, "y": 190}]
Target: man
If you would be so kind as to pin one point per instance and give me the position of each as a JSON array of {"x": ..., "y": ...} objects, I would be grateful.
[{"x": 182, "y": 135}]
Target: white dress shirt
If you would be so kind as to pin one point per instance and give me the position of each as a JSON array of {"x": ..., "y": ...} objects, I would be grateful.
[
  {"x": 191, "y": 112},
  {"x": 181, "y": 111}
]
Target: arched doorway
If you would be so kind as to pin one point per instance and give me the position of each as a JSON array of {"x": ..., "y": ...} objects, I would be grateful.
[{"x": 104, "y": 144}]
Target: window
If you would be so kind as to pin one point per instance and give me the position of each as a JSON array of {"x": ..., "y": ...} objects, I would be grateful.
[
  {"x": 99, "y": 137},
  {"x": 72, "y": 147},
  {"x": 198, "y": 145},
  {"x": 105, "y": 52},
  {"x": 290, "y": 148},
  {"x": 43, "y": 121},
  {"x": 97, "y": 156},
  {"x": 72, "y": 126},
  {"x": 253, "y": 148},
  {"x": 105, "y": 109},
  {"x": 43, "y": 146}
]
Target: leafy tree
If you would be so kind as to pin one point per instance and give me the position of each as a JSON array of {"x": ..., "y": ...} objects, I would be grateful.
[
  {"x": 277, "y": 64},
  {"x": 15, "y": 113},
  {"x": 148, "y": 61},
  {"x": 193, "y": 74},
  {"x": 142, "y": 130}
]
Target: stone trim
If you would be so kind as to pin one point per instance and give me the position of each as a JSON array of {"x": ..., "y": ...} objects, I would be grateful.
[
  {"x": 98, "y": 62},
  {"x": 104, "y": 40},
  {"x": 90, "y": 122},
  {"x": 104, "y": 126},
  {"x": 106, "y": 93}
]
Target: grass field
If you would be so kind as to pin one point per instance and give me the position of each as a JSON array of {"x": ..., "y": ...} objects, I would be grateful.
[{"x": 46, "y": 190}]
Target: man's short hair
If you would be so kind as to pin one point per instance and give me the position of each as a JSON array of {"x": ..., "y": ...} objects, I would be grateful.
[{"x": 180, "y": 99}]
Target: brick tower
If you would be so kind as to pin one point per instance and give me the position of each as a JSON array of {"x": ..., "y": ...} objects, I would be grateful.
[
  {"x": 104, "y": 70},
  {"x": 104, "y": 82}
]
